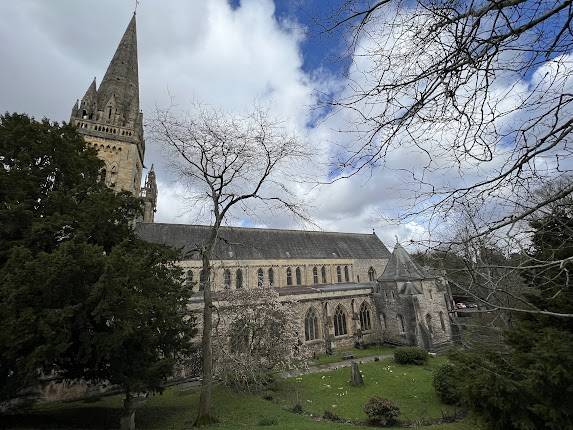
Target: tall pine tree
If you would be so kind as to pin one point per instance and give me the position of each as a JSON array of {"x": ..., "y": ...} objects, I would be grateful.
[{"x": 527, "y": 383}]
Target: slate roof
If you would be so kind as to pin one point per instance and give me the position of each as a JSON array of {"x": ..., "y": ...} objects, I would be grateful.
[
  {"x": 239, "y": 243},
  {"x": 401, "y": 267}
]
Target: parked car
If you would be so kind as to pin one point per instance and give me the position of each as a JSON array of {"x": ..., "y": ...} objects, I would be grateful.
[
  {"x": 460, "y": 306},
  {"x": 472, "y": 305}
]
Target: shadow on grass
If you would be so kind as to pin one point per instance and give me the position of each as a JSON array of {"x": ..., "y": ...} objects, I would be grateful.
[
  {"x": 87, "y": 417},
  {"x": 76, "y": 418}
]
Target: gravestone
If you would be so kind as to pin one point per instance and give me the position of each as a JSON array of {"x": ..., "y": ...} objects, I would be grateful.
[{"x": 356, "y": 377}]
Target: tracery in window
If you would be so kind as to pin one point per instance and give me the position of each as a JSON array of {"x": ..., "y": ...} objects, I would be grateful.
[
  {"x": 289, "y": 276},
  {"x": 339, "y": 322},
  {"x": 311, "y": 325},
  {"x": 364, "y": 315},
  {"x": 298, "y": 276},
  {"x": 314, "y": 275},
  {"x": 338, "y": 274}
]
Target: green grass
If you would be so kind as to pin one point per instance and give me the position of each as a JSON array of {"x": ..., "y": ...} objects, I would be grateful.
[
  {"x": 176, "y": 409},
  {"x": 410, "y": 387},
  {"x": 358, "y": 353}
]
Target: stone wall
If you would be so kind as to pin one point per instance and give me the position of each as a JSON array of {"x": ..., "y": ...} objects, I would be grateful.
[
  {"x": 122, "y": 163},
  {"x": 419, "y": 319}
]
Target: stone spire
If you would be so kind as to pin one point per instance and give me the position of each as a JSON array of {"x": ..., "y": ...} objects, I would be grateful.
[
  {"x": 118, "y": 93},
  {"x": 109, "y": 118}
]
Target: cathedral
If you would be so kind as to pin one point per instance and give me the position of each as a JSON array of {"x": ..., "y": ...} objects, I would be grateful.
[{"x": 348, "y": 288}]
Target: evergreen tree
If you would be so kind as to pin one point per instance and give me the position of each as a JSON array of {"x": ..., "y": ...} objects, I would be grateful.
[
  {"x": 81, "y": 296},
  {"x": 527, "y": 383}
]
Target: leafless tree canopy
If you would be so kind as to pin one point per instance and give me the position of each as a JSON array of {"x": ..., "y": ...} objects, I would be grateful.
[
  {"x": 479, "y": 90},
  {"x": 477, "y": 96},
  {"x": 231, "y": 161}
]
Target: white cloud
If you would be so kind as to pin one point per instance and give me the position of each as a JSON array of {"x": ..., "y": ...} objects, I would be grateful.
[{"x": 231, "y": 58}]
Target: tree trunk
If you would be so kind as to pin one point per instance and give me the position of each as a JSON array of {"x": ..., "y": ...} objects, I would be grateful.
[
  {"x": 130, "y": 405},
  {"x": 204, "y": 416}
]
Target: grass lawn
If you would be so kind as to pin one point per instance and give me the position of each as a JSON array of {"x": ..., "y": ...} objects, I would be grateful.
[
  {"x": 410, "y": 387},
  {"x": 176, "y": 409},
  {"x": 358, "y": 353}
]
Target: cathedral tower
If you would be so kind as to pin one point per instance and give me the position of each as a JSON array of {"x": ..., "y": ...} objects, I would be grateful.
[{"x": 110, "y": 120}]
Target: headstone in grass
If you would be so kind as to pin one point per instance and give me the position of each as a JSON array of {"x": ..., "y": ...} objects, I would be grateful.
[{"x": 356, "y": 376}]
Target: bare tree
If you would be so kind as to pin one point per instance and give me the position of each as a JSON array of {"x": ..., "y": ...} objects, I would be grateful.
[
  {"x": 257, "y": 335},
  {"x": 477, "y": 93},
  {"x": 228, "y": 162}
]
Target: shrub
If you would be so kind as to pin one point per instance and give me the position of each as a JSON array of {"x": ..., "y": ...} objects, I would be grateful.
[
  {"x": 381, "y": 411},
  {"x": 444, "y": 384},
  {"x": 268, "y": 421},
  {"x": 331, "y": 416},
  {"x": 410, "y": 355},
  {"x": 297, "y": 408}
]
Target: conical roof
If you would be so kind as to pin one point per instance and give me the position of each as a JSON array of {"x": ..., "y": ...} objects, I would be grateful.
[
  {"x": 121, "y": 78},
  {"x": 401, "y": 267},
  {"x": 91, "y": 91}
]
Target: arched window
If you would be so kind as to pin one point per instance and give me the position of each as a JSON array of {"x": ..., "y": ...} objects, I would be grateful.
[
  {"x": 239, "y": 279},
  {"x": 346, "y": 275},
  {"x": 384, "y": 321},
  {"x": 311, "y": 325},
  {"x": 371, "y": 274},
  {"x": 102, "y": 175},
  {"x": 271, "y": 277},
  {"x": 323, "y": 273},
  {"x": 315, "y": 275},
  {"x": 338, "y": 274},
  {"x": 442, "y": 322},
  {"x": 298, "y": 276},
  {"x": 189, "y": 281},
  {"x": 401, "y": 322},
  {"x": 365, "y": 322},
  {"x": 227, "y": 279},
  {"x": 339, "y": 322},
  {"x": 260, "y": 278},
  {"x": 429, "y": 323},
  {"x": 289, "y": 276}
]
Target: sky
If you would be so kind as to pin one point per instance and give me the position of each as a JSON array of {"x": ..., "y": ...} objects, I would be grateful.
[{"x": 228, "y": 54}]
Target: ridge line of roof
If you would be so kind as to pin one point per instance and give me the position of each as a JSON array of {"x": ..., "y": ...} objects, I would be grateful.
[{"x": 267, "y": 229}]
